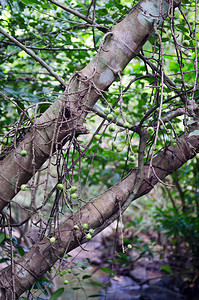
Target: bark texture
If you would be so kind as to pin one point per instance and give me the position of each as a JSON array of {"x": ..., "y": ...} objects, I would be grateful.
[
  {"x": 67, "y": 114},
  {"x": 44, "y": 254},
  {"x": 65, "y": 117}
]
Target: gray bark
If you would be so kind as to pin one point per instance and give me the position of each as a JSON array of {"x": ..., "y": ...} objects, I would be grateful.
[
  {"x": 67, "y": 114},
  {"x": 65, "y": 117},
  {"x": 43, "y": 254}
]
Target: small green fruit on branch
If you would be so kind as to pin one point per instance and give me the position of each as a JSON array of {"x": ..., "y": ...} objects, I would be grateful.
[
  {"x": 111, "y": 128},
  {"x": 23, "y": 152},
  {"x": 88, "y": 236},
  {"x": 97, "y": 137},
  {"x": 24, "y": 187},
  {"x": 52, "y": 239},
  {"x": 129, "y": 246},
  {"x": 72, "y": 189},
  {"x": 69, "y": 271},
  {"x": 150, "y": 130},
  {"x": 74, "y": 196},
  {"x": 117, "y": 111},
  {"x": 107, "y": 111},
  {"x": 126, "y": 125},
  {"x": 109, "y": 117},
  {"x": 60, "y": 186},
  {"x": 76, "y": 227},
  {"x": 85, "y": 226},
  {"x": 62, "y": 273}
]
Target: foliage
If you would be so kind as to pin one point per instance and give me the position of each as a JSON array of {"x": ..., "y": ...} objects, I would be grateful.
[
  {"x": 179, "y": 219},
  {"x": 156, "y": 84}
]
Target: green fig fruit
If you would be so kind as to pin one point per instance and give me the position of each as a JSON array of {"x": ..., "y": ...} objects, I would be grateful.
[
  {"x": 109, "y": 117},
  {"x": 23, "y": 152},
  {"x": 150, "y": 130},
  {"x": 60, "y": 186}
]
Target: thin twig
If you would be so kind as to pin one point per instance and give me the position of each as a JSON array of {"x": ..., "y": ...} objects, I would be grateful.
[
  {"x": 33, "y": 55},
  {"x": 79, "y": 15}
]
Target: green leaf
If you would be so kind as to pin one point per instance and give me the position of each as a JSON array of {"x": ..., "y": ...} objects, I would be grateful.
[
  {"x": 2, "y": 237},
  {"x": 86, "y": 276},
  {"x": 106, "y": 270},
  {"x": 167, "y": 269},
  {"x": 21, "y": 251},
  {"x": 57, "y": 294},
  {"x": 30, "y": 1},
  {"x": 82, "y": 265},
  {"x": 97, "y": 283},
  {"x": 3, "y": 260}
]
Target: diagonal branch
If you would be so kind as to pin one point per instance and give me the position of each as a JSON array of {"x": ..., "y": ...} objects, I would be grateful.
[
  {"x": 96, "y": 214},
  {"x": 79, "y": 15},
  {"x": 33, "y": 55},
  {"x": 84, "y": 88}
]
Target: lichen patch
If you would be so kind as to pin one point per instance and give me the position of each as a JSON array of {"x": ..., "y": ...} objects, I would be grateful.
[{"x": 107, "y": 77}]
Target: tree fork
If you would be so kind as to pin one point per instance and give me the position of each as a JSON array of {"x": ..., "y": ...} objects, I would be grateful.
[
  {"x": 117, "y": 48},
  {"x": 43, "y": 254}
]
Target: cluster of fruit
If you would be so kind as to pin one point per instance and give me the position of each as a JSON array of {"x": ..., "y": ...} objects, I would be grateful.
[{"x": 110, "y": 117}]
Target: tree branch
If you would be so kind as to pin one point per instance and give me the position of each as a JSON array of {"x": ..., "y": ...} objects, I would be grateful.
[
  {"x": 83, "y": 90},
  {"x": 96, "y": 214},
  {"x": 33, "y": 55},
  {"x": 79, "y": 15}
]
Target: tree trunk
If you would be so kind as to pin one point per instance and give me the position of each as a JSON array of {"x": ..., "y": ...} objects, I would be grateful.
[
  {"x": 64, "y": 118},
  {"x": 67, "y": 114},
  {"x": 43, "y": 254}
]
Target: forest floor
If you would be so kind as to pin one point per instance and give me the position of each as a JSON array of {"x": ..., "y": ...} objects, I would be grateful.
[{"x": 100, "y": 272}]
